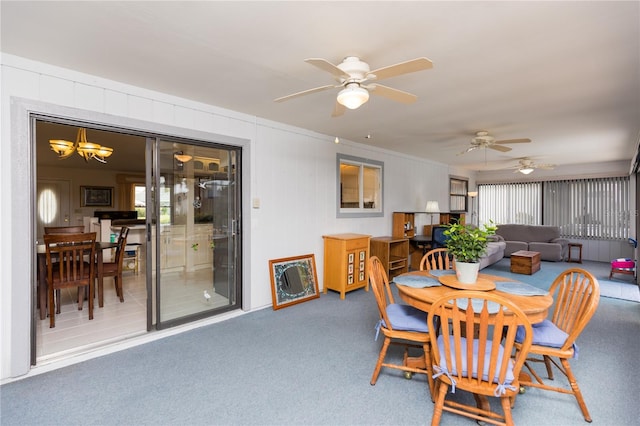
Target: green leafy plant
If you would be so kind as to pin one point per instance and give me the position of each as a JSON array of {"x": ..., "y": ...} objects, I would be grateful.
[{"x": 468, "y": 243}]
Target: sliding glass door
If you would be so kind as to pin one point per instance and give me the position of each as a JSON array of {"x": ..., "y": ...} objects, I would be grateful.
[{"x": 194, "y": 230}]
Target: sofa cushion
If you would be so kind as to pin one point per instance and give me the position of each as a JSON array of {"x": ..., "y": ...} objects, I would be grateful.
[
  {"x": 548, "y": 251},
  {"x": 528, "y": 233}
]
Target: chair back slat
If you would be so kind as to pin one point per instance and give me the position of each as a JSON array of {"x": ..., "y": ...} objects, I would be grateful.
[
  {"x": 75, "y": 254},
  {"x": 577, "y": 294},
  {"x": 436, "y": 259},
  {"x": 472, "y": 326},
  {"x": 381, "y": 288}
]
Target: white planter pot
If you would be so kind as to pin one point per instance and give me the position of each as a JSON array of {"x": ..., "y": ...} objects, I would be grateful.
[{"x": 467, "y": 273}]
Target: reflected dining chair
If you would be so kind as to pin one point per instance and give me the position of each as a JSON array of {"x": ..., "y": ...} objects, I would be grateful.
[
  {"x": 436, "y": 259},
  {"x": 481, "y": 365},
  {"x": 75, "y": 267},
  {"x": 576, "y": 294},
  {"x": 400, "y": 324},
  {"x": 114, "y": 269}
]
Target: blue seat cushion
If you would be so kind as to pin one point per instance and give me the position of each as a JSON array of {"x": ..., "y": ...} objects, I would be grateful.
[
  {"x": 545, "y": 333},
  {"x": 485, "y": 371},
  {"x": 406, "y": 318}
]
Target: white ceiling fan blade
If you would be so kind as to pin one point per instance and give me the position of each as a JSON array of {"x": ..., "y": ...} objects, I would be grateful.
[
  {"x": 305, "y": 92},
  {"x": 418, "y": 64},
  {"x": 546, "y": 166},
  {"x": 471, "y": 148},
  {"x": 499, "y": 148},
  {"x": 338, "y": 109},
  {"x": 393, "y": 94},
  {"x": 327, "y": 66},
  {"x": 523, "y": 140}
]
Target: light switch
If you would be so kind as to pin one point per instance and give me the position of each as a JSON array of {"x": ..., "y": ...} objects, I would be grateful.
[{"x": 256, "y": 203}]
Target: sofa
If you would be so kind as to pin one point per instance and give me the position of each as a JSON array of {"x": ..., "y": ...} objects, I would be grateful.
[
  {"x": 544, "y": 239},
  {"x": 495, "y": 252}
]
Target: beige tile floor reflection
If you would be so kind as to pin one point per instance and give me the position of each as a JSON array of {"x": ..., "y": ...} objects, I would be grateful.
[
  {"x": 183, "y": 294},
  {"x": 115, "y": 321}
]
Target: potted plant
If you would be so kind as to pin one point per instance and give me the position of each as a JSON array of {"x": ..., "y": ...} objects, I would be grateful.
[{"x": 467, "y": 243}]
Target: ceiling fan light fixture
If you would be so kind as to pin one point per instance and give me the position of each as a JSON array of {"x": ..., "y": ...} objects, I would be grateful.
[
  {"x": 353, "y": 96},
  {"x": 525, "y": 170}
]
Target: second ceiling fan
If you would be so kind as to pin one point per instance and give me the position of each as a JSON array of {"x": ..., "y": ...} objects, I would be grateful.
[
  {"x": 483, "y": 139},
  {"x": 356, "y": 80}
]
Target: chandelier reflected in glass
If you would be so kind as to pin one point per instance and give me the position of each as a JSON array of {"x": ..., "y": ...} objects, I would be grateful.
[{"x": 85, "y": 149}]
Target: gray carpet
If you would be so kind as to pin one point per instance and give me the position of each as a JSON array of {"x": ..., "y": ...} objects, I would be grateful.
[{"x": 308, "y": 364}]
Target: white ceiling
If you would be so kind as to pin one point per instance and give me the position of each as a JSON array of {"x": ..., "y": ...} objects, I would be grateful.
[{"x": 564, "y": 74}]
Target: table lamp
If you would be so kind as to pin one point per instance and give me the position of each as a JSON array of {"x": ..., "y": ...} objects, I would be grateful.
[{"x": 432, "y": 207}]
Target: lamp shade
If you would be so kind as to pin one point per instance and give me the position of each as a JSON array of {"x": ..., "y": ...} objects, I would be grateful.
[
  {"x": 432, "y": 207},
  {"x": 525, "y": 170},
  {"x": 353, "y": 96},
  {"x": 472, "y": 194}
]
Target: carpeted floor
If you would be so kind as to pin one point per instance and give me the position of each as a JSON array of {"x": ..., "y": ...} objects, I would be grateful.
[
  {"x": 619, "y": 287},
  {"x": 310, "y": 364}
]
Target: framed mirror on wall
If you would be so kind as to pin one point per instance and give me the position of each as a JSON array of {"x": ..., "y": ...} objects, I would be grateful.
[
  {"x": 293, "y": 280},
  {"x": 360, "y": 183},
  {"x": 458, "y": 188}
]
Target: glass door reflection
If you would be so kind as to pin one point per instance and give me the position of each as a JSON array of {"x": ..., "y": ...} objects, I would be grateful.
[{"x": 195, "y": 260}]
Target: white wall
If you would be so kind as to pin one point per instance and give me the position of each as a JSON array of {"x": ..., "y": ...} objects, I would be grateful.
[{"x": 292, "y": 171}]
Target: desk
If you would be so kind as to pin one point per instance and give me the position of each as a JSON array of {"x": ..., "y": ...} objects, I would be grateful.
[
  {"x": 420, "y": 245},
  {"x": 42, "y": 274}
]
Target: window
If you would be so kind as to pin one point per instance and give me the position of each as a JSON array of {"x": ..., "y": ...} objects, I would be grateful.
[
  {"x": 359, "y": 187},
  {"x": 582, "y": 208},
  {"x": 458, "y": 194},
  {"x": 139, "y": 197}
]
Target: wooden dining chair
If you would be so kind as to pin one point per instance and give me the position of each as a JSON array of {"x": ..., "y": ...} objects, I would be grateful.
[
  {"x": 576, "y": 293},
  {"x": 114, "y": 269},
  {"x": 482, "y": 364},
  {"x": 400, "y": 325},
  {"x": 79, "y": 229},
  {"x": 436, "y": 259},
  {"x": 75, "y": 267}
]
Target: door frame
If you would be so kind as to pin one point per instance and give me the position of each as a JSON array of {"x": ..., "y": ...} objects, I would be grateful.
[{"x": 21, "y": 235}]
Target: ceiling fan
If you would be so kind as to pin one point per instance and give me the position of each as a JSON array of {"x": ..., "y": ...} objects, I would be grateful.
[
  {"x": 483, "y": 139},
  {"x": 356, "y": 80},
  {"x": 526, "y": 166}
]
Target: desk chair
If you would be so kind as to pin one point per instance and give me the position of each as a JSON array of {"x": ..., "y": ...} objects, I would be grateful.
[
  {"x": 71, "y": 269},
  {"x": 438, "y": 239},
  {"x": 436, "y": 259},
  {"x": 399, "y": 324},
  {"x": 481, "y": 365},
  {"x": 114, "y": 269},
  {"x": 576, "y": 293}
]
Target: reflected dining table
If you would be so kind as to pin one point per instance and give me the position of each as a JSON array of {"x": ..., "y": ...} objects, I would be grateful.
[{"x": 42, "y": 274}]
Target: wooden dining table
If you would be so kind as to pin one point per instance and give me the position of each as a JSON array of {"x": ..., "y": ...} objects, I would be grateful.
[
  {"x": 42, "y": 274},
  {"x": 536, "y": 308}
]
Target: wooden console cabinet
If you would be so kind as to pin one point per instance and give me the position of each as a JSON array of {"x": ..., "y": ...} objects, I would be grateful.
[
  {"x": 345, "y": 262},
  {"x": 393, "y": 254}
]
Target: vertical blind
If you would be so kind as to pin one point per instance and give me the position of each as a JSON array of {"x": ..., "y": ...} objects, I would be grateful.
[
  {"x": 582, "y": 208},
  {"x": 510, "y": 203},
  {"x": 589, "y": 208}
]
